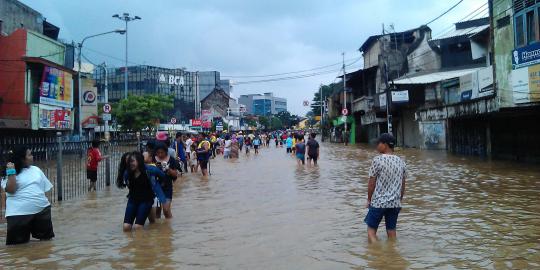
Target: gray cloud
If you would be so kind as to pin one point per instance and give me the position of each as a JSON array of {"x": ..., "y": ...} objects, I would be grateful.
[{"x": 242, "y": 37}]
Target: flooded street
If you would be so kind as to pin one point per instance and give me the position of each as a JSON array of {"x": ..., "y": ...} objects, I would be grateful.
[{"x": 264, "y": 212}]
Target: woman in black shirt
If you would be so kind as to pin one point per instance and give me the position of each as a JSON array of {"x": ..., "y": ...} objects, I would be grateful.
[{"x": 140, "y": 196}]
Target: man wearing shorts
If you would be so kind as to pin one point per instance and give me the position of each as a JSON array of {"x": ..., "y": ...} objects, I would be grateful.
[
  {"x": 312, "y": 149},
  {"x": 93, "y": 157},
  {"x": 386, "y": 188}
]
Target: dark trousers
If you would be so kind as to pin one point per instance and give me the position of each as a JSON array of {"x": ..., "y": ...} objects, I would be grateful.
[{"x": 19, "y": 228}]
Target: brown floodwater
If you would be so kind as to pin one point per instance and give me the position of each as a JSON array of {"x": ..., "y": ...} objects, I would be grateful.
[{"x": 264, "y": 212}]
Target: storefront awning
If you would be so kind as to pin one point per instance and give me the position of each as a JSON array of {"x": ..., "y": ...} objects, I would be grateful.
[
  {"x": 339, "y": 120},
  {"x": 434, "y": 77}
]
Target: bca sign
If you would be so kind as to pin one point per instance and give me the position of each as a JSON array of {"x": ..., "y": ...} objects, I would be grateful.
[{"x": 171, "y": 79}]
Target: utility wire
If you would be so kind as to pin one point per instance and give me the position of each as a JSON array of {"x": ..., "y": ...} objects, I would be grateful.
[
  {"x": 290, "y": 72},
  {"x": 444, "y": 13}
]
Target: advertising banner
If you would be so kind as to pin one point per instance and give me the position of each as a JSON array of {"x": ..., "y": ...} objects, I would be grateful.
[
  {"x": 207, "y": 124},
  {"x": 476, "y": 84},
  {"x": 196, "y": 122},
  {"x": 56, "y": 88},
  {"x": 51, "y": 117},
  {"x": 526, "y": 56},
  {"x": 526, "y": 84}
]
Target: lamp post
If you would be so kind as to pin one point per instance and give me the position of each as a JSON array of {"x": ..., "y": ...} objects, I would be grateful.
[
  {"x": 126, "y": 18},
  {"x": 118, "y": 31}
]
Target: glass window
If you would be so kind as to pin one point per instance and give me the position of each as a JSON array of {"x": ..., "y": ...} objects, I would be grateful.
[
  {"x": 531, "y": 27},
  {"x": 520, "y": 35}
]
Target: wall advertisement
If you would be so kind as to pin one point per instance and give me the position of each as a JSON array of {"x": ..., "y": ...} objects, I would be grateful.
[
  {"x": 526, "y": 84},
  {"x": 477, "y": 84},
  {"x": 89, "y": 109},
  {"x": 56, "y": 88},
  {"x": 433, "y": 135},
  {"x": 57, "y": 118}
]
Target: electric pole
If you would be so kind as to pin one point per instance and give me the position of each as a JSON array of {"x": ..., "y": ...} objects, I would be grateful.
[{"x": 344, "y": 91}]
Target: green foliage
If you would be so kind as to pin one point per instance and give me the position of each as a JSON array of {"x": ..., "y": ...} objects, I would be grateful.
[
  {"x": 264, "y": 121},
  {"x": 327, "y": 91},
  {"x": 287, "y": 119},
  {"x": 140, "y": 112},
  {"x": 276, "y": 123},
  {"x": 251, "y": 122}
]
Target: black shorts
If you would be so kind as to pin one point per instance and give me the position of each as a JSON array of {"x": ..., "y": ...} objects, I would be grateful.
[
  {"x": 38, "y": 225},
  {"x": 255, "y": 147},
  {"x": 289, "y": 150},
  {"x": 313, "y": 157},
  {"x": 92, "y": 175},
  {"x": 204, "y": 164}
]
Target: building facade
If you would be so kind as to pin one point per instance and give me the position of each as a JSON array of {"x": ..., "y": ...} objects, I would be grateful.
[
  {"x": 143, "y": 80},
  {"x": 265, "y": 104}
]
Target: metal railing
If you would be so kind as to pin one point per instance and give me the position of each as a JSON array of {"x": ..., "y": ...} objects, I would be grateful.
[{"x": 64, "y": 163}]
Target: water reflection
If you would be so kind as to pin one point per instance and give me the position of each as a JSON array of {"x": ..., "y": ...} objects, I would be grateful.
[{"x": 265, "y": 212}]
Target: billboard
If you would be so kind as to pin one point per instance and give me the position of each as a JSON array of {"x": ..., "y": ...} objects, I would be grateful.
[
  {"x": 526, "y": 84},
  {"x": 476, "y": 84},
  {"x": 89, "y": 108},
  {"x": 57, "y": 118},
  {"x": 56, "y": 88}
]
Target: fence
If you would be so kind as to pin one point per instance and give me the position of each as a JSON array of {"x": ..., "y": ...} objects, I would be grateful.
[{"x": 64, "y": 163}]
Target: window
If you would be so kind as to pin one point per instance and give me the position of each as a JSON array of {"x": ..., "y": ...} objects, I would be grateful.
[
  {"x": 531, "y": 27},
  {"x": 520, "y": 37},
  {"x": 526, "y": 22}
]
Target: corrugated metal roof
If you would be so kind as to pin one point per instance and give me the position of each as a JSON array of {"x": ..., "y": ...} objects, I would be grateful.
[
  {"x": 463, "y": 32},
  {"x": 434, "y": 77}
]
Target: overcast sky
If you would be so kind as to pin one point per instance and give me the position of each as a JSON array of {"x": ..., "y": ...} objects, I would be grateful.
[{"x": 246, "y": 37}]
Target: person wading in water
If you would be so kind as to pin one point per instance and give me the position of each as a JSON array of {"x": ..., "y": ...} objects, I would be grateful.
[{"x": 386, "y": 188}]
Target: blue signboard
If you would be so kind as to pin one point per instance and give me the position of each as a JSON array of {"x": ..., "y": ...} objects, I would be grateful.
[{"x": 526, "y": 56}]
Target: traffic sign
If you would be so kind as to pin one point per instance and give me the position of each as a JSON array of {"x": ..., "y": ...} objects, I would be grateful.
[
  {"x": 344, "y": 111},
  {"x": 106, "y": 117},
  {"x": 173, "y": 120},
  {"x": 306, "y": 103},
  {"x": 107, "y": 108}
]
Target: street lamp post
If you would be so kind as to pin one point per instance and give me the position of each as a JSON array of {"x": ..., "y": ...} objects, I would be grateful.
[
  {"x": 126, "y": 18},
  {"x": 119, "y": 31}
]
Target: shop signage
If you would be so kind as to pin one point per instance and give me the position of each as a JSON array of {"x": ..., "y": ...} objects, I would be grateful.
[
  {"x": 526, "y": 56},
  {"x": 526, "y": 84},
  {"x": 54, "y": 117},
  {"x": 206, "y": 124},
  {"x": 55, "y": 88},
  {"x": 171, "y": 79},
  {"x": 476, "y": 84},
  {"x": 196, "y": 122},
  {"x": 400, "y": 96}
]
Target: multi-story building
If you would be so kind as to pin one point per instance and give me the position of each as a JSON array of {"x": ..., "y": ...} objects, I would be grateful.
[
  {"x": 183, "y": 85},
  {"x": 263, "y": 104},
  {"x": 208, "y": 81},
  {"x": 36, "y": 88},
  {"x": 512, "y": 131}
]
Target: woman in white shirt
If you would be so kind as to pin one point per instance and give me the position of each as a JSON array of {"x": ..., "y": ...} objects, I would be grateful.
[{"x": 28, "y": 211}]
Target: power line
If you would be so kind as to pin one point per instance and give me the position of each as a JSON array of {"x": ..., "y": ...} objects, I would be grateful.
[
  {"x": 450, "y": 28},
  {"x": 444, "y": 13},
  {"x": 290, "y": 72},
  {"x": 296, "y": 76}
]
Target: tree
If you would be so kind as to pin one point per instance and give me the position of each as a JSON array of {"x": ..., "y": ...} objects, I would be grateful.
[
  {"x": 251, "y": 122},
  {"x": 287, "y": 119},
  {"x": 136, "y": 113},
  {"x": 326, "y": 90},
  {"x": 264, "y": 121},
  {"x": 276, "y": 123}
]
